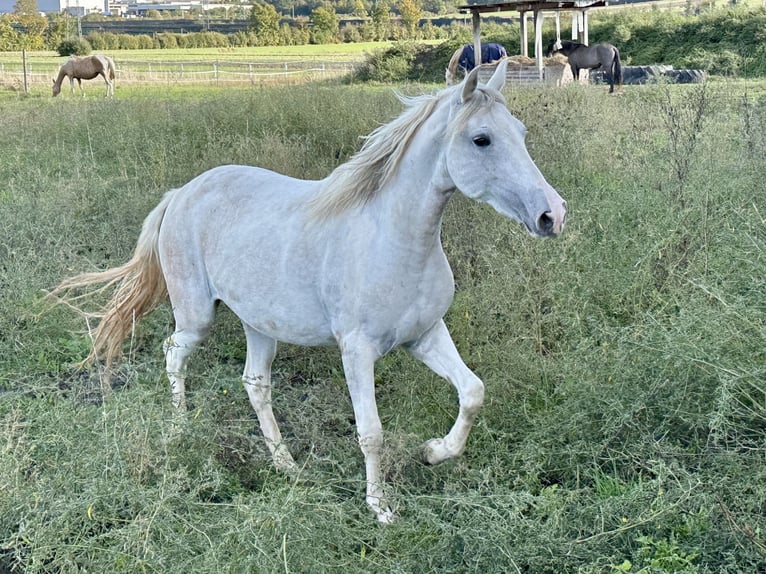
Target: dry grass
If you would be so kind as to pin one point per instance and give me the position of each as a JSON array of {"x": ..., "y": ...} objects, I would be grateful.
[{"x": 624, "y": 363}]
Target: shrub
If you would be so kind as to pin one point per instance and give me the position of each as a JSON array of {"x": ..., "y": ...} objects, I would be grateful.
[
  {"x": 105, "y": 40},
  {"x": 166, "y": 40},
  {"x": 74, "y": 47},
  {"x": 145, "y": 42},
  {"x": 390, "y": 65}
]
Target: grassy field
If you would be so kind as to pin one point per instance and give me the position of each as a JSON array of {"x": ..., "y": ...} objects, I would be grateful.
[
  {"x": 624, "y": 428},
  {"x": 194, "y": 65},
  {"x": 324, "y": 52}
]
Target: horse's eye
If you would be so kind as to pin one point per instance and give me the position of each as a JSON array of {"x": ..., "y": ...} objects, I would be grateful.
[{"x": 481, "y": 141}]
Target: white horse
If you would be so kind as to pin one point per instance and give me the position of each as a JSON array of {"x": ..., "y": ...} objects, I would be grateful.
[{"x": 354, "y": 259}]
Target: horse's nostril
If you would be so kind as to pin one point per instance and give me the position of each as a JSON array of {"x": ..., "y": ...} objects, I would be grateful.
[{"x": 545, "y": 224}]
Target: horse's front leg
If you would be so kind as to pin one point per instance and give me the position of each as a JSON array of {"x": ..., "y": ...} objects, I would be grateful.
[
  {"x": 437, "y": 350},
  {"x": 575, "y": 73},
  {"x": 108, "y": 83},
  {"x": 359, "y": 358}
]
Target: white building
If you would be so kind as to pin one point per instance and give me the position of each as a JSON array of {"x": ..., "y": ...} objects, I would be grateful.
[{"x": 73, "y": 7}]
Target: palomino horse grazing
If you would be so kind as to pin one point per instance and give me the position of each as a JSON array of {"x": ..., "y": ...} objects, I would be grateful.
[
  {"x": 85, "y": 68},
  {"x": 464, "y": 59},
  {"x": 354, "y": 259},
  {"x": 582, "y": 57}
]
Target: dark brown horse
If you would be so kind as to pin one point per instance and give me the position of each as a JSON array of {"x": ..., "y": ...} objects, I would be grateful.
[{"x": 582, "y": 57}]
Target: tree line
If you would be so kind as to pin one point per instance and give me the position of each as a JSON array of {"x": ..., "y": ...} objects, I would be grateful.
[
  {"x": 720, "y": 40},
  {"x": 267, "y": 25}
]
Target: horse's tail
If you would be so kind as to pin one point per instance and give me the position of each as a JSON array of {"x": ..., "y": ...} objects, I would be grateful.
[
  {"x": 617, "y": 68},
  {"x": 452, "y": 66},
  {"x": 111, "y": 68},
  {"x": 139, "y": 287}
]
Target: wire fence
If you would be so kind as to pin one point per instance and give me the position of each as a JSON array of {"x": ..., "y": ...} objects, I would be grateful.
[{"x": 190, "y": 72}]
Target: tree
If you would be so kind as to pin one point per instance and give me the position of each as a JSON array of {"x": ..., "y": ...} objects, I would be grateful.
[
  {"x": 325, "y": 25},
  {"x": 9, "y": 38},
  {"x": 26, "y": 7},
  {"x": 359, "y": 9},
  {"x": 264, "y": 23},
  {"x": 381, "y": 19},
  {"x": 411, "y": 14}
]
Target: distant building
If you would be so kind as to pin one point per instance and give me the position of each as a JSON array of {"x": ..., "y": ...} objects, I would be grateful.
[
  {"x": 141, "y": 8},
  {"x": 113, "y": 7},
  {"x": 73, "y": 7}
]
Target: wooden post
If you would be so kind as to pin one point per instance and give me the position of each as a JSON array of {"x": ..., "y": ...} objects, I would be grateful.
[
  {"x": 539, "y": 42},
  {"x": 558, "y": 26},
  {"x": 575, "y": 24},
  {"x": 476, "y": 19},
  {"x": 524, "y": 34},
  {"x": 585, "y": 27},
  {"x": 24, "y": 67}
]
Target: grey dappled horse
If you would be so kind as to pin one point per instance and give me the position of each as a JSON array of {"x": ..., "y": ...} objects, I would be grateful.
[
  {"x": 582, "y": 57},
  {"x": 353, "y": 260}
]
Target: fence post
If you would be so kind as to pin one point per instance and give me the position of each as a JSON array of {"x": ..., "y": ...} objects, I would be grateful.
[{"x": 24, "y": 66}]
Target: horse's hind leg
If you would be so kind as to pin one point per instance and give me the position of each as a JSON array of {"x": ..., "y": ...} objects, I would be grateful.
[
  {"x": 437, "y": 350},
  {"x": 257, "y": 381},
  {"x": 109, "y": 84},
  {"x": 193, "y": 317}
]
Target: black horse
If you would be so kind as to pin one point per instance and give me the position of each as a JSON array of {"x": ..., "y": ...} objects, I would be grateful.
[{"x": 582, "y": 57}]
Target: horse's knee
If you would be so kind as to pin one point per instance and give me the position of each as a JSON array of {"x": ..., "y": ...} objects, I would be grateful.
[{"x": 472, "y": 397}]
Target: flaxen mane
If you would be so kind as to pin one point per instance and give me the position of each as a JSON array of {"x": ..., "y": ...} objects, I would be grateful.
[{"x": 358, "y": 180}]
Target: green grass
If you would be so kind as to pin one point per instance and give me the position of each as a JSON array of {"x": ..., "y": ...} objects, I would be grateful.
[
  {"x": 624, "y": 423},
  {"x": 176, "y": 67},
  {"x": 322, "y": 52}
]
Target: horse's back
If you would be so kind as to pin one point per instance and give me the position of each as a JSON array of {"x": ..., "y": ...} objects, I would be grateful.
[
  {"x": 492, "y": 53},
  {"x": 239, "y": 194}
]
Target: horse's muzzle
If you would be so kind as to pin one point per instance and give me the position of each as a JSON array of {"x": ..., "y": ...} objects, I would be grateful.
[{"x": 551, "y": 223}]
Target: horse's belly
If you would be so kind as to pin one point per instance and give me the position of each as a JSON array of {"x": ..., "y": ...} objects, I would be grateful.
[{"x": 292, "y": 319}]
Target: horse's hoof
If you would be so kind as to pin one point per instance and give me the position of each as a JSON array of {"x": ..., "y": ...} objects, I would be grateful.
[
  {"x": 386, "y": 516},
  {"x": 283, "y": 462},
  {"x": 434, "y": 451}
]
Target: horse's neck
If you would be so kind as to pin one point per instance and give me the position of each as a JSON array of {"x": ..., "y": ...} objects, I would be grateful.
[
  {"x": 60, "y": 78},
  {"x": 415, "y": 198}
]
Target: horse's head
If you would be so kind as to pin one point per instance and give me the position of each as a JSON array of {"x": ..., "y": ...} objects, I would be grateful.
[
  {"x": 487, "y": 159},
  {"x": 553, "y": 47},
  {"x": 56, "y": 88}
]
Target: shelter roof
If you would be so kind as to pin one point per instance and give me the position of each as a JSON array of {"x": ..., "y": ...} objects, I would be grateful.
[{"x": 482, "y": 6}]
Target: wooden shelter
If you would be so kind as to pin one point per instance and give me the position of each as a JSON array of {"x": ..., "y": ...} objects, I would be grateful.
[{"x": 578, "y": 8}]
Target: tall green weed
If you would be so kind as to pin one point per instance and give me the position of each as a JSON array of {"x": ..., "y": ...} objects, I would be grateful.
[{"x": 624, "y": 424}]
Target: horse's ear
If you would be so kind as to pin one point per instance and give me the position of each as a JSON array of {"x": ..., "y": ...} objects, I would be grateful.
[
  {"x": 469, "y": 84},
  {"x": 497, "y": 81}
]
